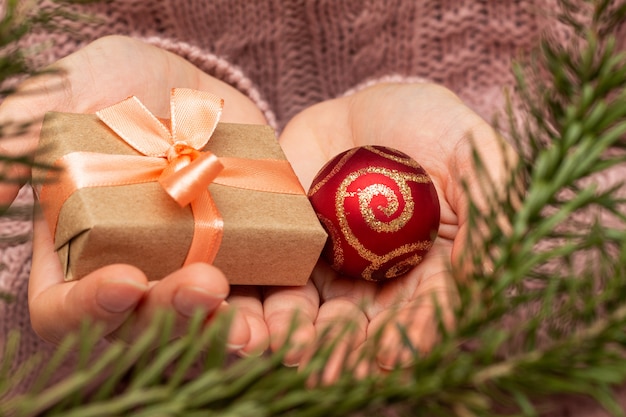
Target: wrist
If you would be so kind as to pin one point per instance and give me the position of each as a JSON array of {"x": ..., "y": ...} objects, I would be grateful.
[{"x": 386, "y": 79}]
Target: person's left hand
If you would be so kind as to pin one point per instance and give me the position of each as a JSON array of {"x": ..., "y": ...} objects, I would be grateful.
[{"x": 432, "y": 125}]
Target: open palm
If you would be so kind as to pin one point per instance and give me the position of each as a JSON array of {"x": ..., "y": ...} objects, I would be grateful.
[{"x": 433, "y": 126}]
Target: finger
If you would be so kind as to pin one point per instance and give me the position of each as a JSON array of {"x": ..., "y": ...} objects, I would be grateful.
[
  {"x": 194, "y": 289},
  {"x": 490, "y": 182},
  {"x": 361, "y": 361},
  {"x": 412, "y": 329},
  {"x": 341, "y": 328},
  {"x": 290, "y": 314},
  {"x": 239, "y": 333},
  {"x": 248, "y": 301},
  {"x": 12, "y": 177},
  {"x": 57, "y": 308}
]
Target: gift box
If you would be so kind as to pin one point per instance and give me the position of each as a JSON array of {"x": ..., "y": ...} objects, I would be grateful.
[{"x": 121, "y": 198}]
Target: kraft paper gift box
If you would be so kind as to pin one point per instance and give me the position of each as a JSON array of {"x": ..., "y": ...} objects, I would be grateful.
[{"x": 267, "y": 238}]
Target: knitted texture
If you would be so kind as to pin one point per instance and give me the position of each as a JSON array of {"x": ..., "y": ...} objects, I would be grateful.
[
  {"x": 289, "y": 54},
  {"x": 299, "y": 52}
]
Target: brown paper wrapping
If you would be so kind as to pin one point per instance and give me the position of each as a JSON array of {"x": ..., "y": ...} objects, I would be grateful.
[{"x": 269, "y": 238}]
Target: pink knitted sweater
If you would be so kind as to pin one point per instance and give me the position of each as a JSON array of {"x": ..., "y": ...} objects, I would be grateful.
[{"x": 289, "y": 54}]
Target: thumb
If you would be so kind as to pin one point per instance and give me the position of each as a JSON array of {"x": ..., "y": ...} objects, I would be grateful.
[
  {"x": 12, "y": 176},
  {"x": 108, "y": 295}
]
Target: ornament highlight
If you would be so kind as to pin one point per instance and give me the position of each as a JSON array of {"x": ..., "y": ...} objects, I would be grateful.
[{"x": 380, "y": 209}]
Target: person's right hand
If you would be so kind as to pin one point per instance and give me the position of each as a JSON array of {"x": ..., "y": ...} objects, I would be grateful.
[
  {"x": 101, "y": 74},
  {"x": 436, "y": 128}
]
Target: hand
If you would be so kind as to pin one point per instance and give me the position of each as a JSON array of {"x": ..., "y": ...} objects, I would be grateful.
[
  {"x": 432, "y": 125},
  {"x": 101, "y": 74}
]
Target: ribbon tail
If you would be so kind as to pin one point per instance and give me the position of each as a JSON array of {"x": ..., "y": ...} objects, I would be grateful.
[{"x": 208, "y": 230}]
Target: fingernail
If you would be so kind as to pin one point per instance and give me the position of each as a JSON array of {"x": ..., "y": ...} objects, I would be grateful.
[
  {"x": 188, "y": 300},
  {"x": 407, "y": 358},
  {"x": 234, "y": 347},
  {"x": 117, "y": 296},
  {"x": 386, "y": 366},
  {"x": 404, "y": 359},
  {"x": 239, "y": 332},
  {"x": 252, "y": 354}
]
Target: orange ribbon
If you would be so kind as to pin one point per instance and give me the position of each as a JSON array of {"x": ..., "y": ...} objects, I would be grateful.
[{"x": 173, "y": 157}]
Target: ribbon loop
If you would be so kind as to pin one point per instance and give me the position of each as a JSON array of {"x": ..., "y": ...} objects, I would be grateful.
[
  {"x": 137, "y": 126},
  {"x": 194, "y": 116}
]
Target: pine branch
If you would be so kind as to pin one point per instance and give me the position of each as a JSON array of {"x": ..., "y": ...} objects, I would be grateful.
[{"x": 19, "y": 19}]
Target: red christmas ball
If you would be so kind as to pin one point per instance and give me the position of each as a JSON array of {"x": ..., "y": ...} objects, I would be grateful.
[{"x": 380, "y": 209}]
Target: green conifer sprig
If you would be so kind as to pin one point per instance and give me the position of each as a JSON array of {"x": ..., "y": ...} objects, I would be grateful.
[
  {"x": 20, "y": 18},
  {"x": 554, "y": 260}
]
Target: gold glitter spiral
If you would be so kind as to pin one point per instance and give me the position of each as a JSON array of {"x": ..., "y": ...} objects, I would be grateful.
[
  {"x": 335, "y": 237},
  {"x": 406, "y": 160},
  {"x": 401, "y": 179},
  {"x": 366, "y": 196}
]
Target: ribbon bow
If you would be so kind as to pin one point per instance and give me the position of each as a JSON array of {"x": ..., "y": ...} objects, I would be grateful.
[
  {"x": 172, "y": 156},
  {"x": 194, "y": 117}
]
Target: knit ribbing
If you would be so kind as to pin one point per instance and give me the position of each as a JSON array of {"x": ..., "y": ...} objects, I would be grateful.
[{"x": 300, "y": 52}]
